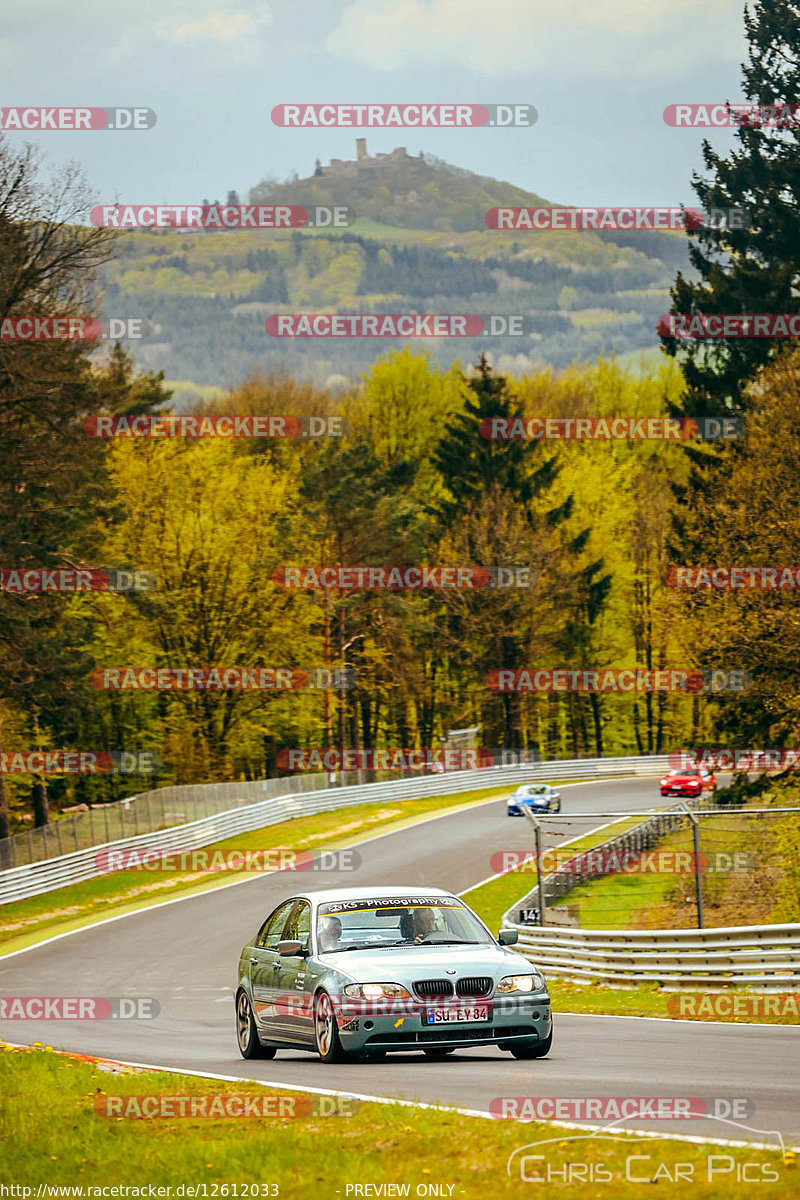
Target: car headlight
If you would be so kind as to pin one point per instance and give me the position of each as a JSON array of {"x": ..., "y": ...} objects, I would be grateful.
[
  {"x": 664, "y": 781},
  {"x": 533, "y": 981},
  {"x": 377, "y": 991}
]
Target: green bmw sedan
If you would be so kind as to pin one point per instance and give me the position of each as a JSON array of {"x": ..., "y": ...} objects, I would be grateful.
[{"x": 354, "y": 972}]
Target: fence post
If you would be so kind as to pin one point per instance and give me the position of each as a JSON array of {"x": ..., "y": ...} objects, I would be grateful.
[
  {"x": 537, "y": 841},
  {"x": 105, "y": 815},
  {"x": 698, "y": 881}
]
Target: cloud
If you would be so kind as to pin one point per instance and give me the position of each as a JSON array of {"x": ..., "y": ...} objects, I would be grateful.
[
  {"x": 502, "y": 36},
  {"x": 219, "y": 25}
]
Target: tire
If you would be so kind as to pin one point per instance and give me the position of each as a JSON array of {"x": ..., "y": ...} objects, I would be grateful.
[
  {"x": 531, "y": 1049},
  {"x": 326, "y": 1033},
  {"x": 246, "y": 1032},
  {"x": 439, "y": 1052}
]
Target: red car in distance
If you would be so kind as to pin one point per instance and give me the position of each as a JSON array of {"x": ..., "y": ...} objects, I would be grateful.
[{"x": 688, "y": 782}]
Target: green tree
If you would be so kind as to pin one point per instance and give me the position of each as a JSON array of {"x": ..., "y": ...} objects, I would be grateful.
[{"x": 753, "y": 269}]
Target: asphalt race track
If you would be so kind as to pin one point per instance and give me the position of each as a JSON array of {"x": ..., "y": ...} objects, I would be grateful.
[{"x": 185, "y": 955}]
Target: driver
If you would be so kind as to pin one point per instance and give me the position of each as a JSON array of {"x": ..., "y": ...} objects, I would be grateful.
[
  {"x": 424, "y": 922},
  {"x": 329, "y": 933}
]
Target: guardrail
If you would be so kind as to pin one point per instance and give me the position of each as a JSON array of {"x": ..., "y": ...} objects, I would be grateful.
[
  {"x": 247, "y": 810},
  {"x": 766, "y": 956}
]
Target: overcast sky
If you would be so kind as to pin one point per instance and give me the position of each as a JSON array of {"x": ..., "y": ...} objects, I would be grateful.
[{"x": 599, "y": 72}]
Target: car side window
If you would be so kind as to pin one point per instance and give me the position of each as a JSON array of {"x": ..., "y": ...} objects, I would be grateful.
[
  {"x": 272, "y": 929},
  {"x": 298, "y": 927}
]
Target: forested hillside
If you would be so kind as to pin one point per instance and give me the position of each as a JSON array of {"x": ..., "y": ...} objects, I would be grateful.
[{"x": 419, "y": 243}]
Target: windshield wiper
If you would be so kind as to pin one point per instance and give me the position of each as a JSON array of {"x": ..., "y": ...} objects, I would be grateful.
[
  {"x": 451, "y": 942},
  {"x": 362, "y": 946}
]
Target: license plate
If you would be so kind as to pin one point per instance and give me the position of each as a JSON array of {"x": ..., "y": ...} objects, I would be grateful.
[{"x": 457, "y": 1016}]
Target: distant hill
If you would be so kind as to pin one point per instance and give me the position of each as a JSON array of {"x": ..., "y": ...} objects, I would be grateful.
[
  {"x": 419, "y": 244},
  {"x": 398, "y": 189}
]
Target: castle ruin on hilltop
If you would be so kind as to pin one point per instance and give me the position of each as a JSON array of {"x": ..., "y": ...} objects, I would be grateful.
[{"x": 366, "y": 162}]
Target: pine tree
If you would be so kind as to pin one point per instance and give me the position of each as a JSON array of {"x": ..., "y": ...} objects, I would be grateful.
[
  {"x": 470, "y": 464},
  {"x": 754, "y": 269}
]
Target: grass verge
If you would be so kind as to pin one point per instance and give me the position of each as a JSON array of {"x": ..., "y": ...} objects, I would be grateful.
[
  {"x": 54, "y": 1135},
  {"x": 650, "y": 1000}
]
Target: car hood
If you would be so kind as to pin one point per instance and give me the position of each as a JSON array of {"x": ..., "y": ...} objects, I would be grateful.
[
  {"x": 681, "y": 779},
  {"x": 426, "y": 962}
]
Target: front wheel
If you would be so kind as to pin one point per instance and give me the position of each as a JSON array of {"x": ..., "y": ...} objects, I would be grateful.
[
  {"x": 531, "y": 1049},
  {"x": 246, "y": 1032},
  {"x": 326, "y": 1033}
]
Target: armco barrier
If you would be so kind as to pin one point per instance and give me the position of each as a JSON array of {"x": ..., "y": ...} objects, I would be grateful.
[
  {"x": 766, "y": 957},
  {"x": 31, "y": 879}
]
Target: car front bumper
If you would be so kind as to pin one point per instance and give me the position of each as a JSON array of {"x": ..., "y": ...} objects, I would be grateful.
[{"x": 510, "y": 1020}]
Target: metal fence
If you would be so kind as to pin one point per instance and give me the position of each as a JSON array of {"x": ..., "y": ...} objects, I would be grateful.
[
  {"x": 230, "y": 808},
  {"x": 763, "y": 956},
  {"x": 145, "y": 813},
  {"x": 711, "y": 865},
  {"x": 587, "y": 865}
]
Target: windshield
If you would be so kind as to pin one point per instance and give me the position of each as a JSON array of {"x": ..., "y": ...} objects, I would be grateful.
[
  {"x": 376, "y": 923},
  {"x": 539, "y": 790}
]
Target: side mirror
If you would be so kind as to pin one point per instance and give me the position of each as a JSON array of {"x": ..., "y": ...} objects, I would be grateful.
[
  {"x": 291, "y": 949},
  {"x": 507, "y": 937}
]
